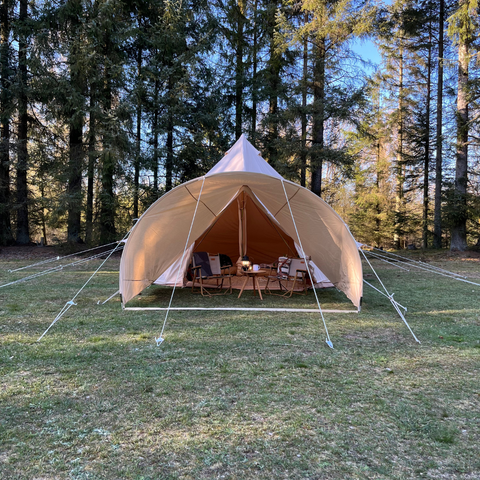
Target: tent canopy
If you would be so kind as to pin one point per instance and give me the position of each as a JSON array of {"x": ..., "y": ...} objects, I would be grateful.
[{"x": 242, "y": 210}]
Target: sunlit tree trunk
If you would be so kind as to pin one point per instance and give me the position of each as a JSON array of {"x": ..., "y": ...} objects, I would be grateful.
[
  {"x": 239, "y": 68},
  {"x": 318, "y": 126},
  {"x": 253, "y": 135},
  {"x": 400, "y": 177},
  {"x": 459, "y": 230},
  {"x": 136, "y": 173},
  {"x": 426, "y": 171},
  {"x": 90, "y": 171},
  {"x": 303, "y": 153},
  {"x": 437, "y": 228}
]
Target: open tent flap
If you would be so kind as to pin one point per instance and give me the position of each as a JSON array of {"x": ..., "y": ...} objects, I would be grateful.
[
  {"x": 175, "y": 273},
  {"x": 319, "y": 278}
]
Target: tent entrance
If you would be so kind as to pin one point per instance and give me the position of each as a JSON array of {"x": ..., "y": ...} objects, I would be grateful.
[{"x": 245, "y": 227}]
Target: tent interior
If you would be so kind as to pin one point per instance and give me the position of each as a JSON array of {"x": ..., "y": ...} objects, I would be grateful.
[{"x": 246, "y": 228}]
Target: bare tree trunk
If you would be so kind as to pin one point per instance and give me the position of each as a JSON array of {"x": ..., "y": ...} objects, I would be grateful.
[
  {"x": 75, "y": 168},
  {"x": 90, "y": 172},
  {"x": 155, "y": 141},
  {"x": 6, "y": 236},
  {"x": 273, "y": 82},
  {"x": 459, "y": 230},
  {"x": 169, "y": 160},
  {"x": 426, "y": 172},
  {"x": 23, "y": 232},
  {"x": 400, "y": 164},
  {"x": 239, "y": 68},
  {"x": 318, "y": 127},
  {"x": 136, "y": 174},
  {"x": 378, "y": 207},
  {"x": 437, "y": 227},
  {"x": 107, "y": 197},
  {"x": 303, "y": 153},
  {"x": 253, "y": 134}
]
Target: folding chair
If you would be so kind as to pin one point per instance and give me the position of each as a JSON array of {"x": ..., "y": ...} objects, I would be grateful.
[
  {"x": 291, "y": 272},
  {"x": 207, "y": 267}
]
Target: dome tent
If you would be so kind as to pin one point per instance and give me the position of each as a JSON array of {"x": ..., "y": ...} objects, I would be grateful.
[{"x": 241, "y": 206}]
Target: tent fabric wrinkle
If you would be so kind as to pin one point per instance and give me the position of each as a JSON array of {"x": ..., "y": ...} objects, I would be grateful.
[{"x": 242, "y": 179}]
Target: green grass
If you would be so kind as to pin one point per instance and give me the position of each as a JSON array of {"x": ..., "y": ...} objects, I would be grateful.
[{"x": 239, "y": 395}]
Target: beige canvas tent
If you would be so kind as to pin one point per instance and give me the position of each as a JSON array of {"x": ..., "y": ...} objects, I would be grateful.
[{"x": 242, "y": 206}]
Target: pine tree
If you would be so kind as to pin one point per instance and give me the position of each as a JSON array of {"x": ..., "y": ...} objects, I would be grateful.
[
  {"x": 437, "y": 230},
  {"x": 372, "y": 216},
  {"x": 329, "y": 27},
  {"x": 462, "y": 28}
]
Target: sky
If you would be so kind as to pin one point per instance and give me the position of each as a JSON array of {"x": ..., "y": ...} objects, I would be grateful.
[{"x": 367, "y": 50}]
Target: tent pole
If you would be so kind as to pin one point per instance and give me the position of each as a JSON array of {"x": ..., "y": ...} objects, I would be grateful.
[
  {"x": 160, "y": 339},
  {"x": 328, "y": 341}
]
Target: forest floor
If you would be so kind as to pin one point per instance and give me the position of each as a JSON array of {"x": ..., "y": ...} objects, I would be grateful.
[{"x": 239, "y": 395}]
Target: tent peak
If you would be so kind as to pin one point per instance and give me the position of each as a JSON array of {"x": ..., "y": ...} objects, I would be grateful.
[{"x": 243, "y": 157}]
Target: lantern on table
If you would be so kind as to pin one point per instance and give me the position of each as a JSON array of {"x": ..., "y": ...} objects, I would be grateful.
[{"x": 245, "y": 263}]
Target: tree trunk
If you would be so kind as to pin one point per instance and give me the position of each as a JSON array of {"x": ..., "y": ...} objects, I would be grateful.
[
  {"x": 273, "y": 81},
  {"x": 6, "y": 236},
  {"x": 400, "y": 178},
  {"x": 253, "y": 134},
  {"x": 23, "y": 232},
  {"x": 426, "y": 171},
  {"x": 378, "y": 207},
  {"x": 75, "y": 178},
  {"x": 155, "y": 141},
  {"x": 303, "y": 152},
  {"x": 169, "y": 160},
  {"x": 107, "y": 198},
  {"x": 90, "y": 172},
  {"x": 318, "y": 126},
  {"x": 239, "y": 69},
  {"x": 437, "y": 227},
  {"x": 136, "y": 175},
  {"x": 459, "y": 229}
]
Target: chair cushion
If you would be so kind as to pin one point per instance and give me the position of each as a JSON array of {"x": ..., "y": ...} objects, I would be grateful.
[
  {"x": 200, "y": 259},
  {"x": 215, "y": 264}
]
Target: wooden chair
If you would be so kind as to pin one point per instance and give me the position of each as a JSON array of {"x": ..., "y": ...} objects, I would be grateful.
[{"x": 206, "y": 268}]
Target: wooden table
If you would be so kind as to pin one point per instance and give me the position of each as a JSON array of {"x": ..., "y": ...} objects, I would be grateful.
[{"x": 253, "y": 274}]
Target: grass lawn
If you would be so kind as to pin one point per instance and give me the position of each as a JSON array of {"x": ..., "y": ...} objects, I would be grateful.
[{"x": 239, "y": 395}]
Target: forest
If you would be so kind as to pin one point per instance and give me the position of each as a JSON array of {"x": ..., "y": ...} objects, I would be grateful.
[{"x": 108, "y": 104}]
